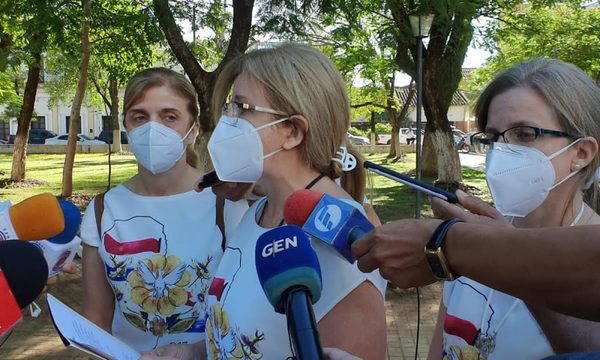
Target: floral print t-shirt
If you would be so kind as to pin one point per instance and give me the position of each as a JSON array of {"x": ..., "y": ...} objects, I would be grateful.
[
  {"x": 242, "y": 323},
  {"x": 160, "y": 254}
]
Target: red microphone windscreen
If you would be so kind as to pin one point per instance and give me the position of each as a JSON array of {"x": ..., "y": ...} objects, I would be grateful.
[{"x": 299, "y": 205}]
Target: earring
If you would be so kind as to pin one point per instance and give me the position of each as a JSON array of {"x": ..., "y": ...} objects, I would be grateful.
[{"x": 577, "y": 166}]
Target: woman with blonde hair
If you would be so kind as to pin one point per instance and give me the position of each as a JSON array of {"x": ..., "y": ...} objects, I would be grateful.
[
  {"x": 283, "y": 128},
  {"x": 540, "y": 122},
  {"x": 152, "y": 243}
]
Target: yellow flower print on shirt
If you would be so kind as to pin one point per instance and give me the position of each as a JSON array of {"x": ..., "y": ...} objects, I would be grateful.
[
  {"x": 158, "y": 284},
  {"x": 226, "y": 343}
]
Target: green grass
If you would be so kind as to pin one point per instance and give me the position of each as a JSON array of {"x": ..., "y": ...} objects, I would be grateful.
[
  {"x": 90, "y": 176},
  {"x": 44, "y": 174},
  {"x": 393, "y": 200}
]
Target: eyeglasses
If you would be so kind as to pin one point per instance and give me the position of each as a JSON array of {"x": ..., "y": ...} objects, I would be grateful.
[
  {"x": 235, "y": 109},
  {"x": 520, "y": 135}
]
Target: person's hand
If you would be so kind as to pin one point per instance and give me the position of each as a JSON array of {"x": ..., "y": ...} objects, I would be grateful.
[
  {"x": 70, "y": 268},
  {"x": 396, "y": 248},
  {"x": 195, "y": 351},
  {"x": 337, "y": 354},
  {"x": 474, "y": 210}
]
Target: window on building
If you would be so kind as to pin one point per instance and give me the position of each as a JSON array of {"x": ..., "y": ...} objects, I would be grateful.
[
  {"x": 106, "y": 122},
  {"x": 38, "y": 122},
  {"x": 4, "y": 130},
  {"x": 68, "y": 120}
]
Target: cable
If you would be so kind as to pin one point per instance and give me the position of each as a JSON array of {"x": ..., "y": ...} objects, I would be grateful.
[{"x": 418, "y": 324}]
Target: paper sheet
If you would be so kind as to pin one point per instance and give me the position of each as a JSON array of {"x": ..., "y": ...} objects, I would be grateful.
[{"x": 79, "y": 332}]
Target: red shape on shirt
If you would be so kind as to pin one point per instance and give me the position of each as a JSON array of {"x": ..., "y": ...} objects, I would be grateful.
[
  {"x": 216, "y": 287},
  {"x": 116, "y": 247},
  {"x": 461, "y": 328}
]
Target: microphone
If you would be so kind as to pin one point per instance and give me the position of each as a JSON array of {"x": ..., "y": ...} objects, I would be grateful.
[
  {"x": 61, "y": 249},
  {"x": 411, "y": 182},
  {"x": 36, "y": 218},
  {"x": 289, "y": 272},
  {"x": 23, "y": 274},
  {"x": 328, "y": 219},
  {"x": 209, "y": 180}
]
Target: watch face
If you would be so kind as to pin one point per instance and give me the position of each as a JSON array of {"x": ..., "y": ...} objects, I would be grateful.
[{"x": 437, "y": 267}]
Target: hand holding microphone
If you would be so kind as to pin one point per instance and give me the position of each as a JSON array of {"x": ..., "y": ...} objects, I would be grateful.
[{"x": 290, "y": 275}]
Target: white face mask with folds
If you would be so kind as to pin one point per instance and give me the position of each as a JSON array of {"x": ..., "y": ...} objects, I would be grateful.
[
  {"x": 520, "y": 177},
  {"x": 156, "y": 146},
  {"x": 236, "y": 149}
]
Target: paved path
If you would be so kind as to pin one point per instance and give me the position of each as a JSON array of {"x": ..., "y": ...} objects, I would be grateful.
[
  {"x": 472, "y": 161},
  {"x": 36, "y": 339}
]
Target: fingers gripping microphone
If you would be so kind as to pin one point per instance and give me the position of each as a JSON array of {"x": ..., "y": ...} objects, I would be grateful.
[
  {"x": 23, "y": 274},
  {"x": 290, "y": 275},
  {"x": 36, "y": 218},
  {"x": 328, "y": 219}
]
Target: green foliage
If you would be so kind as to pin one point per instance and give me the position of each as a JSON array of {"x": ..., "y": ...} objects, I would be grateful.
[
  {"x": 383, "y": 128},
  {"x": 354, "y": 131},
  {"x": 10, "y": 82},
  {"x": 566, "y": 32}
]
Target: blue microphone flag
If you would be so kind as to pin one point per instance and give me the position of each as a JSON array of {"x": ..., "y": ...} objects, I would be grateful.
[
  {"x": 338, "y": 224},
  {"x": 286, "y": 259}
]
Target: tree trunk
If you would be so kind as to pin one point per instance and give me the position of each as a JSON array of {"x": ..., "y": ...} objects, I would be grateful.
[
  {"x": 24, "y": 121},
  {"x": 113, "y": 90},
  {"x": 203, "y": 81},
  {"x": 67, "y": 183},
  {"x": 397, "y": 123}
]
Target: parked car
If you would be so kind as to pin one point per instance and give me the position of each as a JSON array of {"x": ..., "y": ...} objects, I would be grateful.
[
  {"x": 383, "y": 139},
  {"x": 81, "y": 140},
  {"x": 404, "y": 139},
  {"x": 357, "y": 140},
  {"x": 107, "y": 136},
  {"x": 39, "y": 136}
]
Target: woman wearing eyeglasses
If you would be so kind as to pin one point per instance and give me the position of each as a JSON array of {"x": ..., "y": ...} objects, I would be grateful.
[
  {"x": 540, "y": 125},
  {"x": 284, "y": 129}
]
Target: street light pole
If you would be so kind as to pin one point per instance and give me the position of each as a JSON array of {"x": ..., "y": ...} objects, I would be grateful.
[
  {"x": 419, "y": 117},
  {"x": 421, "y": 25}
]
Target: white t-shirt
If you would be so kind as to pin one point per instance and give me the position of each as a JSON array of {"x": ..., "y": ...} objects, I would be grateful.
[
  {"x": 242, "y": 323},
  {"x": 476, "y": 312},
  {"x": 160, "y": 254}
]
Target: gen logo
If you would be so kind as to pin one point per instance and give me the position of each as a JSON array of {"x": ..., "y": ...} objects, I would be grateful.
[
  {"x": 279, "y": 246},
  {"x": 328, "y": 218}
]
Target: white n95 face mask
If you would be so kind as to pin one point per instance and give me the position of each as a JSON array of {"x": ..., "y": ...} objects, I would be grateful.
[
  {"x": 236, "y": 149},
  {"x": 156, "y": 146},
  {"x": 520, "y": 177}
]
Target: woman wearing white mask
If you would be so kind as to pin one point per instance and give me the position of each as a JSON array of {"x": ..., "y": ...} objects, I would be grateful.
[
  {"x": 152, "y": 244},
  {"x": 541, "y": 125},
  {"x": 284, "y": 129}
]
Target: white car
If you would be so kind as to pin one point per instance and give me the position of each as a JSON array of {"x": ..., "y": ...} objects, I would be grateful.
[
  {"x": 358, "y": 140},
  {"x": 81, "y": 140}
]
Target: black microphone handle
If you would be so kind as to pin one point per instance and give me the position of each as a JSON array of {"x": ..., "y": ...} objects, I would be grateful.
[{"x": 302, "y": 325}]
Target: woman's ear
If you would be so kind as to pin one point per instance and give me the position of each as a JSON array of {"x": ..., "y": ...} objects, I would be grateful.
[
  {"x": 587, "y": 149},
  {"x": 297, "y": 127}
]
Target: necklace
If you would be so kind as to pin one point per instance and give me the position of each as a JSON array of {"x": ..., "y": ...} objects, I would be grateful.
[{"x": 310, "y": 185}]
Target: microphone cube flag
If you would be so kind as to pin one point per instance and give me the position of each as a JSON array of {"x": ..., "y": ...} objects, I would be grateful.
[
  {"x": 337, "y": 223},
  {"x": 285, "y": 259}
]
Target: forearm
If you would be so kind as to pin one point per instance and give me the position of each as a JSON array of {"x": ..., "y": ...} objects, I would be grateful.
[
  {"x": 553, "y": 267},
  {"x": 565, "y": 333}
]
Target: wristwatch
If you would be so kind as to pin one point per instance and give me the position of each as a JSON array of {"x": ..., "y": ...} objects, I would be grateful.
[{"x": 434, "y": 254}]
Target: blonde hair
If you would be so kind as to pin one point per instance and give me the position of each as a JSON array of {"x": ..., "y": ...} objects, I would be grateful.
[
  {"x": 569, "y": 92},
  {"x": 155, "y": 77},
  {"x": 300, "y": 80}
]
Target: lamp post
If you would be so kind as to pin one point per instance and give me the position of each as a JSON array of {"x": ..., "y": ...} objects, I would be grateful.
[{"x": 420, "y": 24}]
